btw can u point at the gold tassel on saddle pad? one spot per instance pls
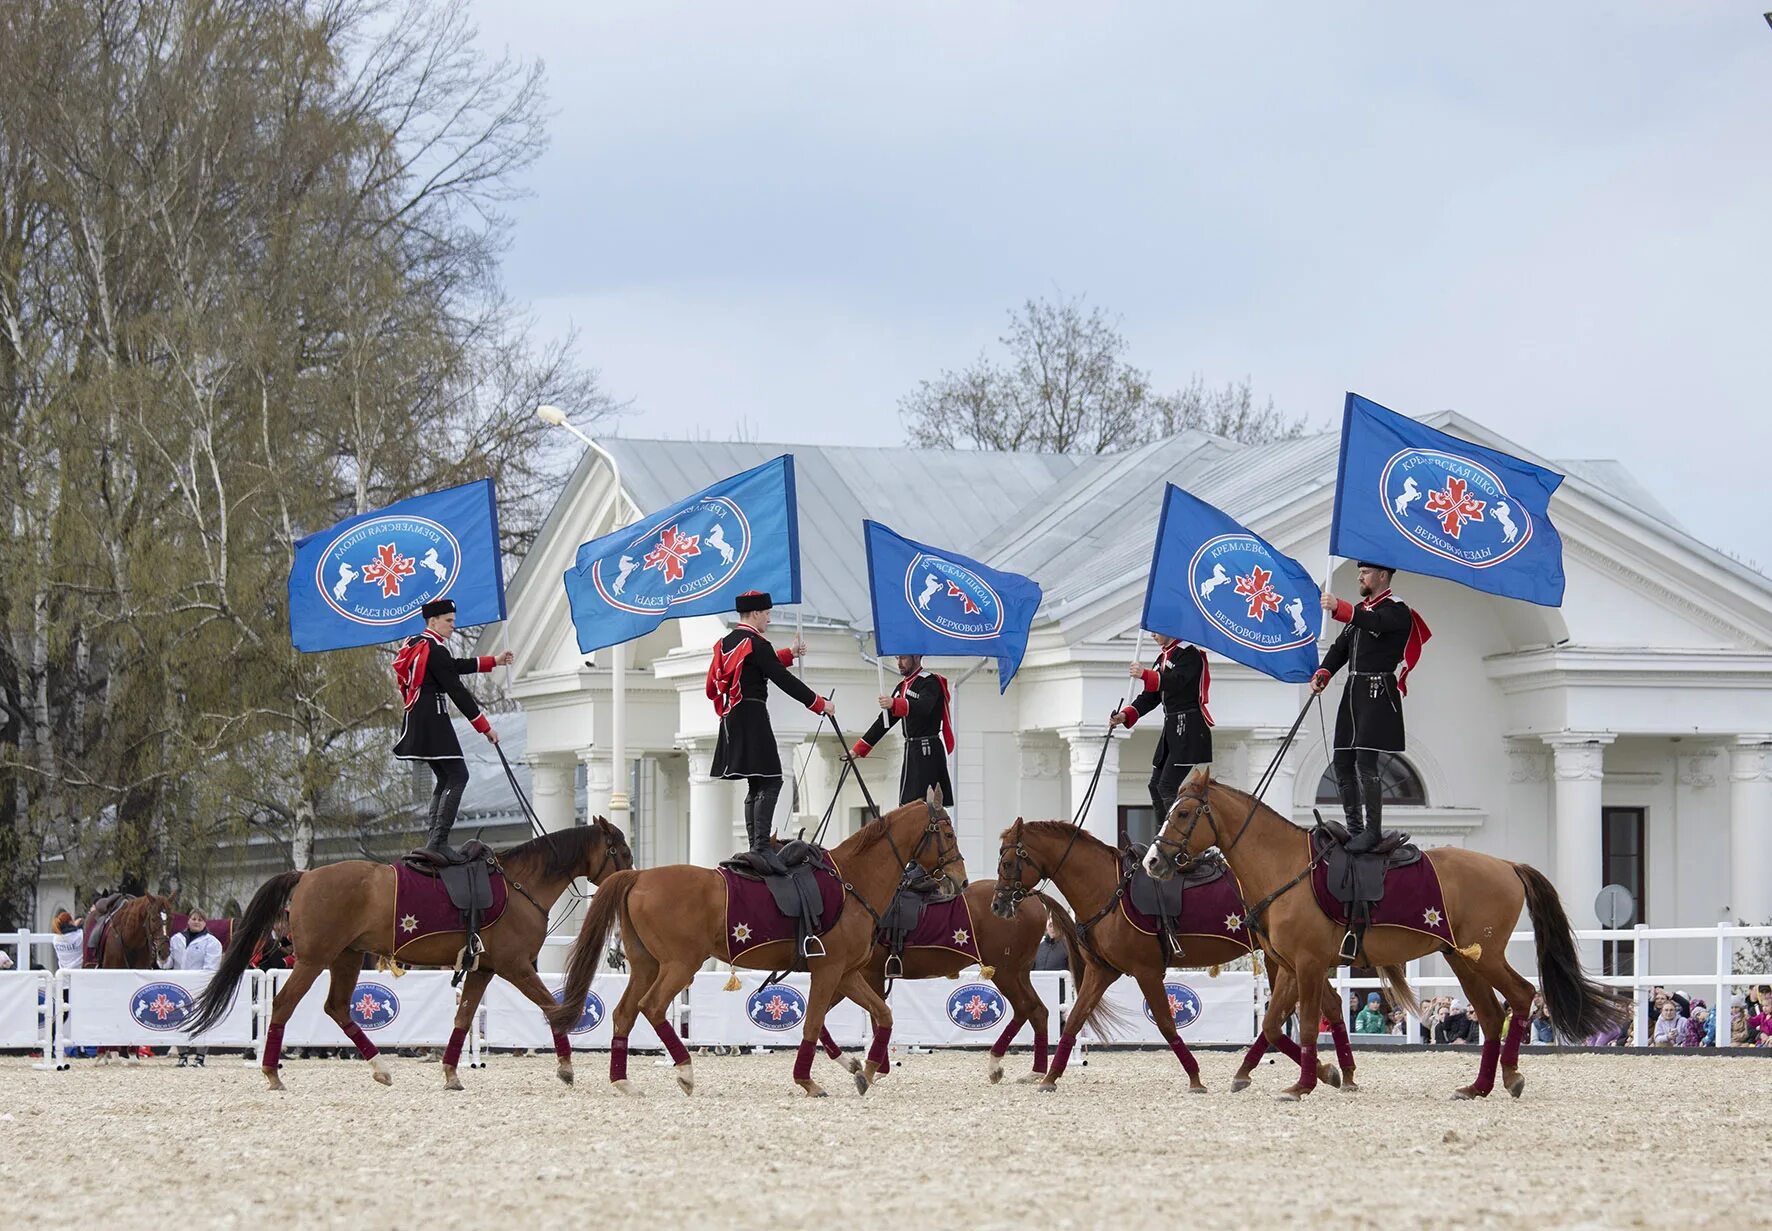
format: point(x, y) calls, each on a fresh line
point(1473, 952)
point(732, 983)
point(393, 966)
point(987, 972)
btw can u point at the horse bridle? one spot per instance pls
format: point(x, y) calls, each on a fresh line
point(945, 856)
point(1173, 850)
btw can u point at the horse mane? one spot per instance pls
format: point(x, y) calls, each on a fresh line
point(558, 853)
point(1261, 803)
point(874, 832)
point(1064, 830)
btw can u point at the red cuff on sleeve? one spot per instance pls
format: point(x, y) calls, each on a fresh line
point(1131, 717)
point(487, 662)
point(817, 706)
point(900, 707)
point(1344, 610)
point(482, 724)
point(1152, 681)
point(861, 749)
point(785, 657)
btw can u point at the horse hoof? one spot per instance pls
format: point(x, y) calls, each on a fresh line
point(1517, 1086)
point(1287, 1096)
point(1028, 1079)
point(625, 1089)
point(860, 1080)
point(454, 1083)
point(686, 1078)
point(852, 1064)
point(1469, 1092)
point(564, 1073)
point(383, 1078)
point(272, 1081)
point(1198, 1089)
point(813, 1091)
point(1046, 1087)
point(1329, 1076)
point(1239, 1084)
point(1350, 1087)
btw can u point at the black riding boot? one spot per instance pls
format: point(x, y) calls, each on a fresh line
point(447, 801)
point(759, 815)
point(1349, 788)
point(1372, 794)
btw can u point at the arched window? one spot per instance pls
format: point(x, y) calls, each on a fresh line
point(1402, 785)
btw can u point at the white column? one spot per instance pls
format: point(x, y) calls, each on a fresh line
point(1259, 749)
point(711, 805)
point(1579, 767)
point(599, 784)
point(1750, 829)
point(1037, 796)
point(1102, 819)
point(551, 786)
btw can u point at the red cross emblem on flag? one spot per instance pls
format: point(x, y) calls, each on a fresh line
point(976, 1008)
point(776, 1007)
point(367, 1005)
point(1455, 506)
point(161, 1007)
point(1262, 597)
point(388, 567)
point(673, 548)
point(956, 592)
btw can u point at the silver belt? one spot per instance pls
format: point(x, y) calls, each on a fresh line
point(925, 743)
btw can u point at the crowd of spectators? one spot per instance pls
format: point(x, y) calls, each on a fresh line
point(1675, 1020)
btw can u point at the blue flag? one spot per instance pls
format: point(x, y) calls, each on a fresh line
point(363, 581)
point(1215, 584)
point(930, 601)
point(1417, 499)
point(694, 558)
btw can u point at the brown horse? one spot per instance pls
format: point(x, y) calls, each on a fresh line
point(1484, 895)
point(342, 911)
point(1006, 949)
point(1088, 872)
point(138, 936)
point(674, 918)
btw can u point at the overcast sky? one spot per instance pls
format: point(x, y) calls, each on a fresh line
point(1553, 218)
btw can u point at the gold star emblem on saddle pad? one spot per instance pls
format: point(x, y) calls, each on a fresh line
point(961, 936)
point(1431, 917)
point(741, 932)
point(408, 924)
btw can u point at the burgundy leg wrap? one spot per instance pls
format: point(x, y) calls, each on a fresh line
point(1001, 1046)
point(1063, 1057)
point(618, 1058)
point(1510, 1047)
point(452, 1053)
point(1486, 1067)
point(803, 1060)
point(1189, 1065)
point(1307, 1066)
point(562, 1047)
point(1039, 1051)
point(1287, 1048)
point(365, 1048)
point(667, 1035)
point(829, 1044)
point(1344, 1050)
point(877, 1053)
point(1253, 1056)
point(273, 1046)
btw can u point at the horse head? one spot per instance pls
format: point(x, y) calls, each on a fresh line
point(925, 828)
point(1188, 831)
point(614, 856)
point(1017, 872)
point(156, 927)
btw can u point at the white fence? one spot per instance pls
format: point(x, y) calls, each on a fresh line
point(46, 1013)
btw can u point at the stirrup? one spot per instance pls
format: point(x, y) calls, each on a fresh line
point(812, 947)
point(1350, 947)
point(894, 966)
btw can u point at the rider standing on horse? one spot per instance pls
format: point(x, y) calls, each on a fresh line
point(1180, 680)
point(923, 700)
point(744, 664)
point(426, 673)
point(1381, 632)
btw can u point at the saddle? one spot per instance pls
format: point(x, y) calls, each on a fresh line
point(98, 922)
point(467, 878)
point(901, 917)
point(790, 871)
point(1357, 881)
point(1161, 900)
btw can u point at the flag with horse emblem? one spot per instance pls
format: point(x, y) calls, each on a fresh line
point(694, 558)
point(1223, 588)
point(1413, 497)
point(363, 581)
point(928, 600)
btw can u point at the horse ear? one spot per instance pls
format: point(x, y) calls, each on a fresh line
point(932, 797)
point(1200, 775)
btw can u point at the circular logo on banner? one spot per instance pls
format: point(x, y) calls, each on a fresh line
point(1184, 1005)
point(1453, 507)
point(374, 1005)
point(975, 1006)
point(1232, 581)
point(591, 1018)
point(776, 1007)
point(162, 1006)
point(383, 570)
point(677, 560)
point(952, 599)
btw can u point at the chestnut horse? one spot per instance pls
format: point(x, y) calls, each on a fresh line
point(1006, 949)
point(674, 918)
point(1483, 895)
point(138, 936)
point(1088, 872)
point(342, 911)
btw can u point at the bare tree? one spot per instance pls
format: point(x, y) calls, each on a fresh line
point(1064, 385)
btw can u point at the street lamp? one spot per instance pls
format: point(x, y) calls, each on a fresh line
point(553, 416)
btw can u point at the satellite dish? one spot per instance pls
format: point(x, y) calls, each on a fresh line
point(1614, 907)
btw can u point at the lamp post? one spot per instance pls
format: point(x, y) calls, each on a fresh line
point(553, 416)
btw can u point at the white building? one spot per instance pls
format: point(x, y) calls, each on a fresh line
point(1625, 737)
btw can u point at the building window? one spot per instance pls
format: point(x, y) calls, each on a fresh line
point(1622, 862)
point(1138, 824)
point(1402, 785)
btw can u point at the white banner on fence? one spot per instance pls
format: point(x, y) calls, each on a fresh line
point(20, 992)
point(513, 1020)
point(1207, 1010)
point(964, 1012)
point(111, 1007)
point(764, 1016)
point(414, 1010)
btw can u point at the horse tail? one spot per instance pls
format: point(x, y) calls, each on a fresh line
point(1578, 1007)
point(267, 906)
point(1398, 991)
point(1067, 932)
point(587, 951)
